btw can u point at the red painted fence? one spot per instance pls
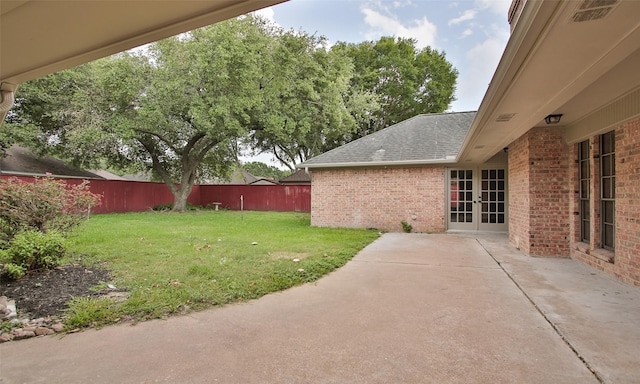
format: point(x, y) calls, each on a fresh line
point(137, 196)
point(282, 198)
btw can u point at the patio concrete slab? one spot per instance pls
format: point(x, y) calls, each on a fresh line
point(596, 314)
point(409, 308)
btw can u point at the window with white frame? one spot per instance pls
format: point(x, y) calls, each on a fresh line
point(584, 170)
point(607, 189)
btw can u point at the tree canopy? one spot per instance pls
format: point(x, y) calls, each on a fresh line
point(408, 81)
point(258, 168)
point(183, 108)
point(178, 110)
point(308, 107)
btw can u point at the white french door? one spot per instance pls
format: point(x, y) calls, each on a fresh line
point(477, 199)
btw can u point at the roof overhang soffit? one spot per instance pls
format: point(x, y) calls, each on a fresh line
point(548, 66)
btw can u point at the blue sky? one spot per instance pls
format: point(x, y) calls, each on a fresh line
point(472, 33)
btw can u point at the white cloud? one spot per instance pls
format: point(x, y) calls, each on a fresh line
point(482, 61)
point(266, 13)
point(467, 15)
point(500, 7)
point(401, 4)
point(467, 32)
point(422, 30)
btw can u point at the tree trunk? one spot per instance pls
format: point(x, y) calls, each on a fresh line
point(187, 181)
point(180, 197)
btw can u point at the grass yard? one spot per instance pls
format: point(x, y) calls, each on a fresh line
point(174, 263)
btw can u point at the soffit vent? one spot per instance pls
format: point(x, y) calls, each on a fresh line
point(503, 118)
point(590, 10)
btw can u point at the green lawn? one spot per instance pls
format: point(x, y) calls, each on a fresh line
point(173, 263)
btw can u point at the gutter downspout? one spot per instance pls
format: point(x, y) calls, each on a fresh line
point(7, 101)
point(7, 93)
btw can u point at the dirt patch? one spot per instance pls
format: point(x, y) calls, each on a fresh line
point(288, 255)
point(46, 293)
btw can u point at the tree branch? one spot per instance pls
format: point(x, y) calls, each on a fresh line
point(191, 143)
point(157, 165)
point(159, 137)
point(280, 159)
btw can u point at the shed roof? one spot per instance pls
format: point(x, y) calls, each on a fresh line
point(423, 139)
point(299, 176)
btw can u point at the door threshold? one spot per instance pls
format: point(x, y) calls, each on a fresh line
point(476, 231)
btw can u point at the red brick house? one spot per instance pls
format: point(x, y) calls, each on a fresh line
point(397, 174)
point(563, 107)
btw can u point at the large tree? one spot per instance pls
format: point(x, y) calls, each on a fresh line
point(408, 81)
point(308, 107)
point(258, 168)
point(178, 110)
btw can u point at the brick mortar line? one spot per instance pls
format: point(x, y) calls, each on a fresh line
point(553, 326)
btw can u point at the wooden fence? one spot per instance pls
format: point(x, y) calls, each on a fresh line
point(138, 196)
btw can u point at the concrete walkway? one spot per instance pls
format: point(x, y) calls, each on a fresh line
point(408, 309)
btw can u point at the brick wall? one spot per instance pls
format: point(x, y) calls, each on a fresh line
point(627, 253)
point(518, 168)
point(624, 262)
point(379, 198)
point(539, 186)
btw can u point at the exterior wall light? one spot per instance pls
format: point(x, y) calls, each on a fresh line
point(553, 119)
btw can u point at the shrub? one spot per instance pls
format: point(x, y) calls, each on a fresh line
point(44, 205)
point(163, 207)
point(31, 250)
point(169, 207)
point(406, 226)
point(14, 271)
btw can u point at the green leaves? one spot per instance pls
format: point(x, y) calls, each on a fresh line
point(180, 108)
point(31, 249)
point(304, 91)
point(408, 81)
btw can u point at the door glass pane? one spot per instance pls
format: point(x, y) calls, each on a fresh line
point(461, 188)
point(492, 192)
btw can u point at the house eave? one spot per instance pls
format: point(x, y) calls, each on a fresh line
point(556, 64)
point(363, 164)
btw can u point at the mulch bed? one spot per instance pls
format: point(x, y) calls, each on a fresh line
point(46, 293)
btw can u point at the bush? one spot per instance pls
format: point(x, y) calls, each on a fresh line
point(169, 207)
point(14, 271)
point(406, 226)
point(32, 250)
point(44, 205)
point(163, 207)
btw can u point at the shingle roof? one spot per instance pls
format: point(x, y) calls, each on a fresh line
point(299, 176)
point(423, 139)
point(19, 160)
